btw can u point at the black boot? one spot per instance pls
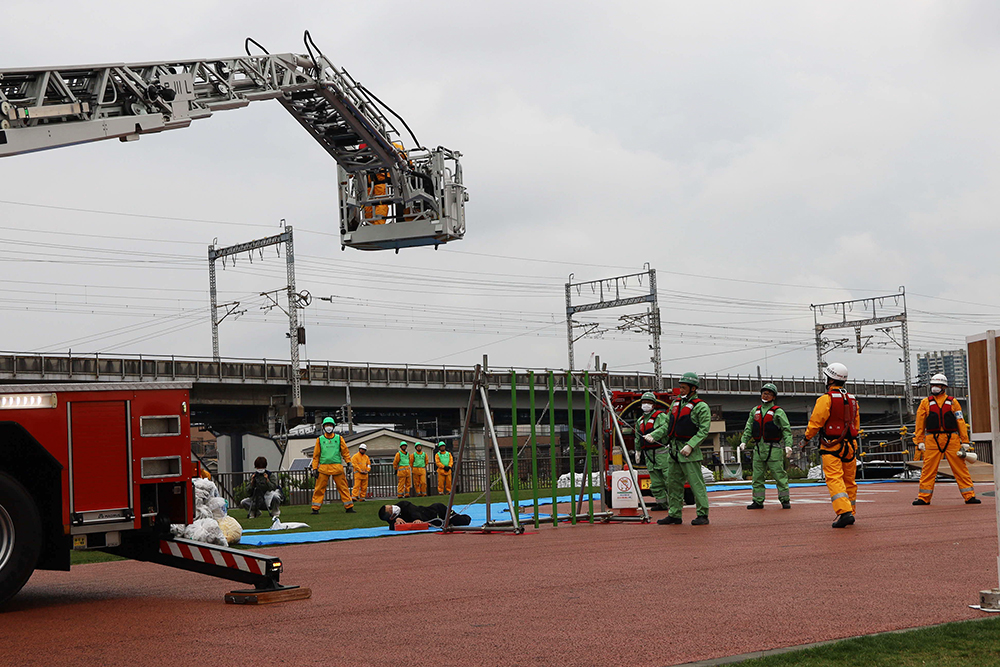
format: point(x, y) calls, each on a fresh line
point(786, 505)
point(973, 501)
point(755, 506)
point(844, 520)
point(700, 521)
point(667, 520)
point(315, 512)
point(350, 510)
point(920, 501)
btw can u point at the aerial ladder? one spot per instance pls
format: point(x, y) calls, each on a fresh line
point(390, 197)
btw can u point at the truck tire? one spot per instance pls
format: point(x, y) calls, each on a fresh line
point(20, 536)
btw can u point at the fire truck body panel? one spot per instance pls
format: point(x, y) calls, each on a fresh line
point(98, 459)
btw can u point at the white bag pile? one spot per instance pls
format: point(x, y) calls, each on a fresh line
point(209, 513)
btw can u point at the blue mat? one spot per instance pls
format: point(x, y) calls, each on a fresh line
point(498, 511)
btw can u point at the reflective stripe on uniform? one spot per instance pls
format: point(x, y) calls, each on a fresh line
point(927, 491)
point(966, 489)
point(839, 495)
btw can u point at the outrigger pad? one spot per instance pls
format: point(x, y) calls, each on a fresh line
point(268, 596)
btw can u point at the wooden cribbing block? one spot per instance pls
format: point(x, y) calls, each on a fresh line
point(286, 594)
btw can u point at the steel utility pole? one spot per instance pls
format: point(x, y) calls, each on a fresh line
point(869, 309)
point(648, 322)
point(296, 301)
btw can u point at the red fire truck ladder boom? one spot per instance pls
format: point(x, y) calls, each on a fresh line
point(390, 197)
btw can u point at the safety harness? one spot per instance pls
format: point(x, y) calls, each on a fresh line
point(839, 432)
point(682, 427)
point(941, 420)
point(764, 429)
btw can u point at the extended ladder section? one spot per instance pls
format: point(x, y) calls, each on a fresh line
point(390, 197)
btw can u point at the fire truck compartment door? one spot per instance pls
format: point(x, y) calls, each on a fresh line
point(102, 465)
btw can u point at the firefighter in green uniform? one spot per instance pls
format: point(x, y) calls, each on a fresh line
point(650, 434)
point(770, 436)
point(687, 427)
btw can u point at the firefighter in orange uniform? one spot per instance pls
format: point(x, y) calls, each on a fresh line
point(362, 465)
point(837, 420)
point(401, 462)
point(418, 468)
point(329, 457)
point(444, 462)
point(940, 433)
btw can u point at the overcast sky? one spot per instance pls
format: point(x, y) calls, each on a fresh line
point(761, 156)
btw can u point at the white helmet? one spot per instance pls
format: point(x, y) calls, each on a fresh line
point(836, 371)
point(362, 446)
point(940, 379)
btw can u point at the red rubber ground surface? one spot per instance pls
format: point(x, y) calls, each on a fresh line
point(587, 595)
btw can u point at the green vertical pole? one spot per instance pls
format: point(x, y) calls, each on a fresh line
point(590, 455)
point(534, 443)
point(515, 482)
point(552, 445)
point(572, 448)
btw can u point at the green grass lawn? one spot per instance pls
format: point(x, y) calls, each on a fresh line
point(952, 645)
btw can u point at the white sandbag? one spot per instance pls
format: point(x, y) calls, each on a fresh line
point(206, 531)
point(707, 474)
point(207, 486)
point(216, 507)
point(231, 529)
point(564, 483)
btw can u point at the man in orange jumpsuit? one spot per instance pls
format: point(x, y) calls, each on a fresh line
point(941, 432)
point(418, 466)
point(329, 457)
point(361, 465)
point(837, 420)
point(402, 463)
point(444, 462)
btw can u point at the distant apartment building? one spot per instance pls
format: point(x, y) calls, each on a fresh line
point(950, 362)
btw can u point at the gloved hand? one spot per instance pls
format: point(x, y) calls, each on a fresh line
point(921, 446)
point(447, 468)
point(788, 451)
point(805, 441)
point(742, 447)
point(648, 437)
point(315, 473)
point(686, 450)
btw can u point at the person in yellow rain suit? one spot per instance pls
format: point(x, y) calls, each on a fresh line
point(418, 463)
point(362, 465)
point(329, 457)
point(837, 420)
point(444, 462)
point(401, 463)
point(941, 432)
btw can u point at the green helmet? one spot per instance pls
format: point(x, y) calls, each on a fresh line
point(402, 444)
point(771, 387)
point(329, 420)
point(690, 378)
point(441, 444)
point(648, 396)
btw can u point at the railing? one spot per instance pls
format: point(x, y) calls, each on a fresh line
point(20, 366)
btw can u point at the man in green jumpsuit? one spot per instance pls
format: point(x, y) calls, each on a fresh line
point(770, 436)
point(687, 427)
point(650, 434)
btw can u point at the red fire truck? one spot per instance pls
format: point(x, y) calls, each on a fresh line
point(103, 466)
point(627, 406)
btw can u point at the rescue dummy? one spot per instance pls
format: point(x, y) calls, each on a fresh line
point(329, 457)
point(407, 512)
point(770, 438)
point(837, 421)
point(687, 427)
point(263, 491)
point(401, 464)
point(444, 462)
point(418, 466)
point(361, 465)
point(650, 436)
point(941, 433)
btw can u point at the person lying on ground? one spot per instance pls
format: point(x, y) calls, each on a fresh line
point(434, 514)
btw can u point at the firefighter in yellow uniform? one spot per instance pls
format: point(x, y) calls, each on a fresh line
point(362, 465)
point(444, 462)
point(401, 463)
point(418, 466)
point(329, 457)
point(941, 432)
point(837, 420)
